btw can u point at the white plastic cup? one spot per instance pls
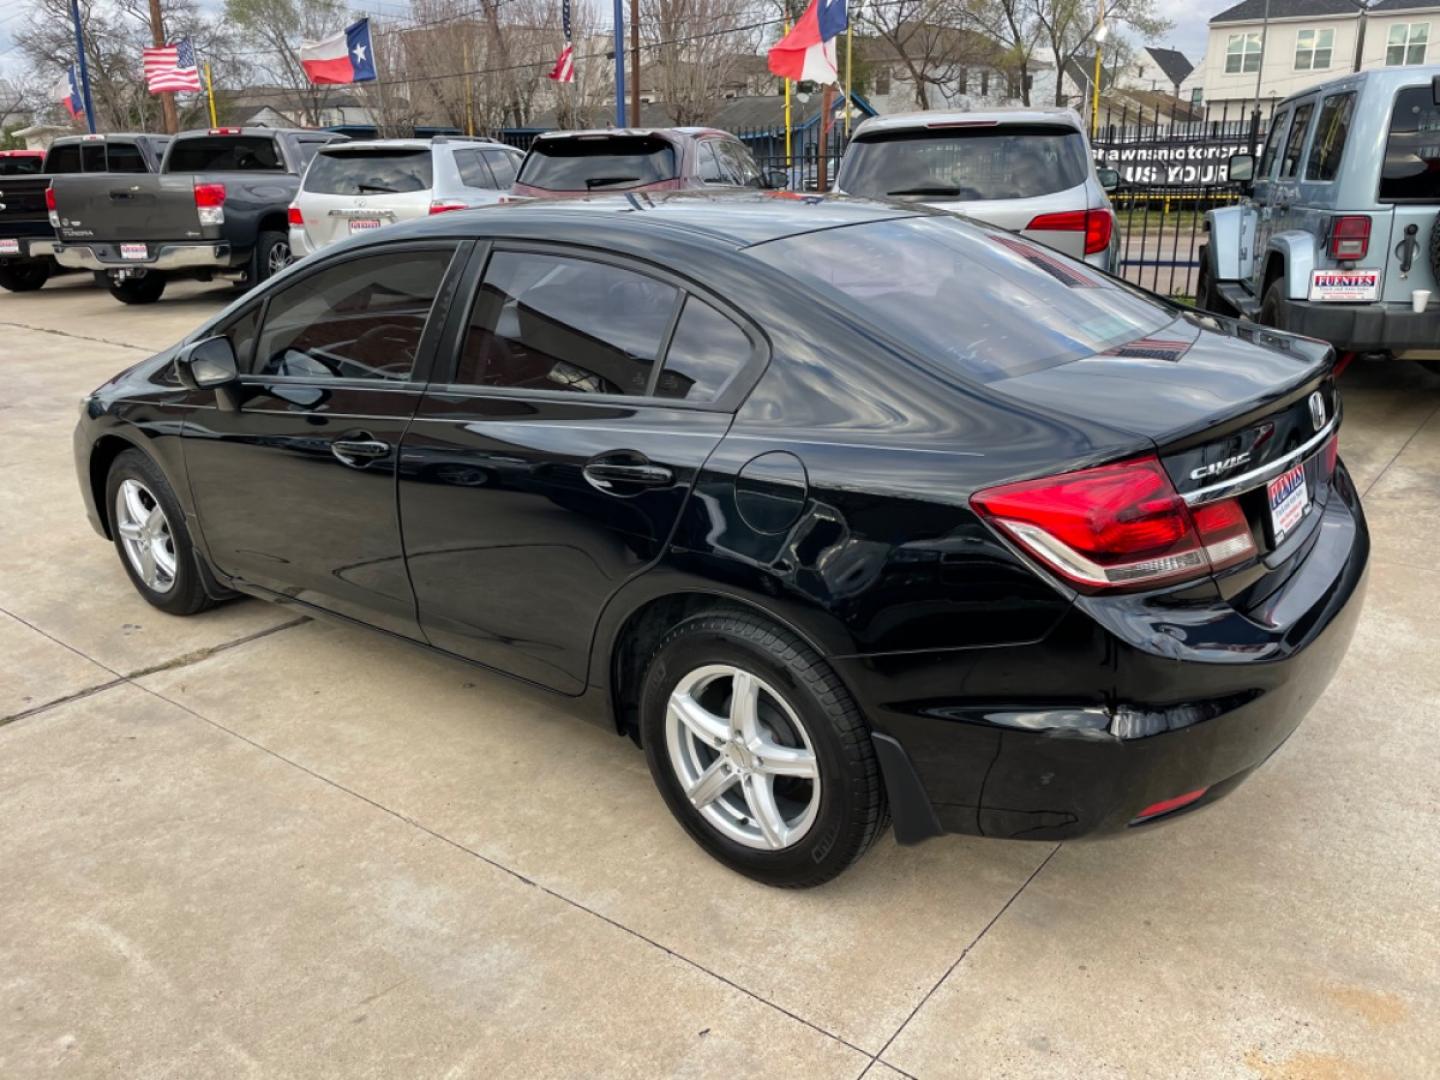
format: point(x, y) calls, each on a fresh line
point(1419, 298)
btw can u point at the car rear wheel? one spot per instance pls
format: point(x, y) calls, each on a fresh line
point(759, 750)
point(145, 289)
point(24, 277)
point(1270, 305)
point(272, 254)
point(148, 526)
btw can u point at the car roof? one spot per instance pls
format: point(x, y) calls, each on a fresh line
point(1385, 80)
point(594, 133)
point(378, 144)
point(720, 219)
point(976, 118)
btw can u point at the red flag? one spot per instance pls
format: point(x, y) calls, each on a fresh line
point(564, 69)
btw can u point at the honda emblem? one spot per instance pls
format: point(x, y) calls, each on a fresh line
point(1317, 410)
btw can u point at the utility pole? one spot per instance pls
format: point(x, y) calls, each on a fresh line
point(167, 99)
point(634, 63)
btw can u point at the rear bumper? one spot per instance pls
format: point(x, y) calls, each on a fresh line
point(30, 248)
point(161, 257)
point(1113, 711)
point(300, 245)
point(1362, 327)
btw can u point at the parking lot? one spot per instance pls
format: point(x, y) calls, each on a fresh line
point(247, 843)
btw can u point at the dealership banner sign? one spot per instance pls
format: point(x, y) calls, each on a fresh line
point(1176, 163)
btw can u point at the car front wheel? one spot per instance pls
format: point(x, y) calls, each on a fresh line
point(759, 750)
point(148, 527)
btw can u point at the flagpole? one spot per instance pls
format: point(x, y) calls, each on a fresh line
point(618, 18)
point(465, 63)
point(379, 82)
point(167, 97)
point(788, 162)
point(84, 67)
point(849, 69)
point(210, 93)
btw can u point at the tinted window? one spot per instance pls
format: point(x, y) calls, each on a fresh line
point(126, 158)
point(979, 300)
point(473, 170)
point(973, 163)
point(1291, 161)
point(360, 319)
point(543, 322)
point(63, 159)
point(92, 157)
point(705, 353)
point(1412, 152)
point(592, 162)
point(368, 172)
point(1330, 133)
point(710, 164)
point(504, 165)
point(1272, 144)
point(20, 166)
point(241, 333)
point(224, 153)
point(740, 164)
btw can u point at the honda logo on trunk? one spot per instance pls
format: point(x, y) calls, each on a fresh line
point(1317, 410)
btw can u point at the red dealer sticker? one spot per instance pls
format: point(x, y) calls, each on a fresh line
point(1289, 500)
point(1345, 286)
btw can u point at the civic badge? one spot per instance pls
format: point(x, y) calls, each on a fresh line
point(1317, 410)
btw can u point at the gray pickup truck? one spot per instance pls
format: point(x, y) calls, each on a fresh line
point(217, 207)
point(1338, 237)
point(27, 232)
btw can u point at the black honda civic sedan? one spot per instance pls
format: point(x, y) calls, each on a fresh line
point(846, 513)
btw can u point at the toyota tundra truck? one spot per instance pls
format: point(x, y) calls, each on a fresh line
point(27, 233)
point(1338, 236)
point(216, 208)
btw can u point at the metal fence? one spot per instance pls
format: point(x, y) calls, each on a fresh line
point(804, 165)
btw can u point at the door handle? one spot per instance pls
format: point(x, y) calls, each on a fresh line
point(605, 475)
point(358, 452)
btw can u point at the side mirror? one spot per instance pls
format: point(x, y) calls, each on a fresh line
point(1241, 168)
point(1109, 178)
point(777, 179)
point(207, 364)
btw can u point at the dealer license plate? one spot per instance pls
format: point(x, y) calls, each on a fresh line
point(1289, 501)
point(1345, 286)
point(364, 224)
point(133, 251)
point(9, 247)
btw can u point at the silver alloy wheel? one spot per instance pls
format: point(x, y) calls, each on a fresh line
point(145, 534)
point(742, 756)
point(278, 259)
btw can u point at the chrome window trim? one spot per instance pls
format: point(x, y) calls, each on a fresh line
point(1255, 477)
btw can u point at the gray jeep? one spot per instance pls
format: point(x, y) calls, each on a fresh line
point(1339, 228)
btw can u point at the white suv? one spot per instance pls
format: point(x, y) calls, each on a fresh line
point(354, 187)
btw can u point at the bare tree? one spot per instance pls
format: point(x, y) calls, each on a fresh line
point(1068, 27)
point(272, 31)
point(691, 54)
point(1012, 25)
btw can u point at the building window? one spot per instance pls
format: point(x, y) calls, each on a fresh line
point(1406, 44)
point(1197, 96)
point(1242, 53)
point(984, 84)
point(882, 81)
point(964, 82)
point(1313, 49)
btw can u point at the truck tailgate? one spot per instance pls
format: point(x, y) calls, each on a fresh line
point(22, 206)
point(113, 208)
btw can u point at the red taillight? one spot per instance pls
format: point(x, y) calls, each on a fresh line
point(225, 131)
point(49, 198)
point(1097, 225)
point(1349, 237)
point(209, 194)
point(439, 207)
point(293, 216)
point(1117, 526)
point(1164, 806)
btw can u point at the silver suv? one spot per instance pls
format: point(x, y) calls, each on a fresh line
point(1027, 170)
point(358, 186)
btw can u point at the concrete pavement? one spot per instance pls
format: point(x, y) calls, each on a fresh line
point(245, 844)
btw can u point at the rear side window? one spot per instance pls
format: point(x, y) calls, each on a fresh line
point(504, 165)
point(474, 172)
point(704, 355)
point(126, 158)
point(1330, 134)
point(1411, 170)
point(369, 172)
point(359, 319)
point(598, 162)
point(63, 159)
point(1291, 161)
point(545, 322)
point(979, 301)
point(1002, 162)
point(224, 153)
point(1272, 144)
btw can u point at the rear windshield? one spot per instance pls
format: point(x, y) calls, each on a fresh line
point(369, 172)
point(1412, 155)
point(224, 153)
point(20, 166)
point(1002, 162)
point(63, 159)
point(981, 301)
point(599, 162)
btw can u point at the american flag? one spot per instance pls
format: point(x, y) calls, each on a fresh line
point(171, 67)
point(564, 69)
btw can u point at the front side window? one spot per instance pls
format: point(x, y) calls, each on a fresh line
point(1313, 49)
point(1406, 44)
point(1291, 161)
point(1272, 144)
point(1242, 53)
point(1330, 134)
point(1411, 168)
point(548, 322)
point(359, 319)
point(735, 156)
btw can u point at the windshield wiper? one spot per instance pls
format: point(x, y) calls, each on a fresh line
point(379, 188)
point(931, 189)
point(601, 181)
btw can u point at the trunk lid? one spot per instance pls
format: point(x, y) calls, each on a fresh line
point(1017, 214)
point(348, 189)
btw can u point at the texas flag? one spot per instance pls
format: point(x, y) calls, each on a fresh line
point(68, 93)
point(807, 52)
point(345, 57)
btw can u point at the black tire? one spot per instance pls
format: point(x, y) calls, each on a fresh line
point(1270, 304)
point(1207, 296)
point(138, 290)
point(25, 276)
point(1432, 366)
point(264, 261)
point(185, 594)
point(852, 809)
